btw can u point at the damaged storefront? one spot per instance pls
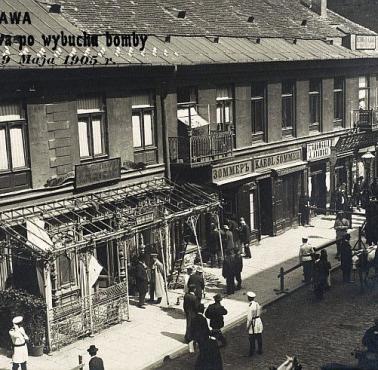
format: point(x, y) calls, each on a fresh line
point(76, 252)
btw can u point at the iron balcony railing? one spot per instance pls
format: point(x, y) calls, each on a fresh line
point(202, 149)
point(365, 119)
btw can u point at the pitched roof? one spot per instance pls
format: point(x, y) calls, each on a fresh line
point(271, 18)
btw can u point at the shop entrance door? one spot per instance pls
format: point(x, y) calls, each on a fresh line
point(318, 189)
point(265, 206)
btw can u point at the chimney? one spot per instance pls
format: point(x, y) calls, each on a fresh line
point(319, 7)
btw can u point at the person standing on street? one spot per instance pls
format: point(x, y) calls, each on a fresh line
point(346, 256)
point(189, 272)
point(254, 324)
point(19, 341)
point(370, 338)
point(200, 329)
point(341, 226)
point(357, 193)
point(244, 234)
point(215, 313)
point(142, 279)
point(209, 357)
point(238, 268)
point(214, 247)
point(198, 281)
point(191, 304)
point(227, 239)
point(95, 363)
point(157, 280)
point(306, 252)
point(321, 272)
point(228, 271)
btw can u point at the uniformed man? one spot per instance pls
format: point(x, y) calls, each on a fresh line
point(254, 324)
point(95, 363)
point(306, 252)
point(19, 340)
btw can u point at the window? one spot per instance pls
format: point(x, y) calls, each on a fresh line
point(315, 104)
point(224, 108)
point(363, 92)
point(143, 121)
point(66, 269)
point(91, 126)
point(258, 108)
point(13, 155)
point(338, 99)
point(186, 104)
point(288, 105)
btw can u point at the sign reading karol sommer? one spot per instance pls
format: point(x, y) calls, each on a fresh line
point(231, 170)
point(266, 162)
point(88, 174)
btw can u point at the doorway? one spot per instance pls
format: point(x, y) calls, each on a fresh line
point(265, 206)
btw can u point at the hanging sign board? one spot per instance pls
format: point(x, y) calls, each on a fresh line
point(145, 218)
point(319, 150)
point(365, 42)
point(98, 172)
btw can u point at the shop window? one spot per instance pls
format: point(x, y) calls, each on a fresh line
point(66, 270)
point(144, 128)
point(338, 98)
point(91, 127)
point(288, 108)
point(258, 110)
point(315, 104)
point(225, 103)
point(363, 92)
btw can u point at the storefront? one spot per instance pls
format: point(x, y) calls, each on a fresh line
point(318, 184)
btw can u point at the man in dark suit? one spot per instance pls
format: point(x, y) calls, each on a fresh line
point(238, 268)
point(191, 304)
point(215, 313)
point(95, 363)
point(200, 329)
point(228, 271)
point(142, 278)
point(198, 281)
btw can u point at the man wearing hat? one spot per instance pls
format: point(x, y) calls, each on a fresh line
point(198, 281)
point(254, 324)
point(215, 313)
point(19, 340)
point(95, 363)
point(306, 253)
point(191, 304)
point(245, 234)
point(227, 238)
point(189, 272)
point(200, 329)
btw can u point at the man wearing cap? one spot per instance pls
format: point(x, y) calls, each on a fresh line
point(306, 252)
point(227, 239)
point(95, 363)
point(142, 279)
point(19, 340)
point(157, 280)
point(191, 304)
point(244, 234)
point(198, 281)
point(215, 313)
point(200, 329)
point(254, 324)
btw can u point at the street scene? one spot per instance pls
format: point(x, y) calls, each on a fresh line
point(188, 185)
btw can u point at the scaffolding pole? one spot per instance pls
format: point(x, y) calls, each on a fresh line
point(220, 236)
point(164, 266)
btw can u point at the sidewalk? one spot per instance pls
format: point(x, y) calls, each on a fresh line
point(158, 331)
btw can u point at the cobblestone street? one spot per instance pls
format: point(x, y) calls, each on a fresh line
point(316, 332)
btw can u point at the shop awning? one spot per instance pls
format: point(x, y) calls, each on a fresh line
point(190, 118)
point(288, 168)
point(73, 223)
point(353, 141)
point(235, 179)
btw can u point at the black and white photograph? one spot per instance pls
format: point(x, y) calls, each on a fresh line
point(188, 184)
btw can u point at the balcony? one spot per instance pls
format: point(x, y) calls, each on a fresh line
point(365, 119)
point(200, 150)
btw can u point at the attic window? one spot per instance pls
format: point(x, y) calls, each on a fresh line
point(214, 39)
point(250, 19)
point(55, 8)
point(167, 38)
point(304, 22)
point(181, 14)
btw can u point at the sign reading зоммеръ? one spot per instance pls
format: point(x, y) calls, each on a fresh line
point(231, 170)
point(264, 163)
point(88, 174)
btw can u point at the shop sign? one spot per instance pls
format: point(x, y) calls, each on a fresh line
point(365, 42)
point(231, 170)
point(145, 218)
point(93, 173)
point(319, 149)
point(268, 161)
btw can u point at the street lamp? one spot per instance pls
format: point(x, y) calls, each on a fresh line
point(368, 159)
